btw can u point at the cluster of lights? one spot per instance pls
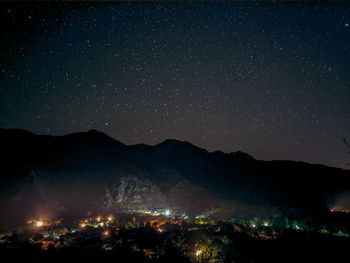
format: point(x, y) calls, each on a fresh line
point(104, 222)
point(109, 219)
point(264, 224)
point(98, 222)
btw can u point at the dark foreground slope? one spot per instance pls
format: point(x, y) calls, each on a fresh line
point(220, 242)
point(89, 171)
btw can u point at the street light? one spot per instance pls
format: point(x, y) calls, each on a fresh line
point(198, 252)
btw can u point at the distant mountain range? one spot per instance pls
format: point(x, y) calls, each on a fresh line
point(47, 176)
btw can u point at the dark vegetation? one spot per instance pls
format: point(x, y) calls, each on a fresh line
point(167, 240)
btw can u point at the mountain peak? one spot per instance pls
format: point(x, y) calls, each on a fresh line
point(97, 133)
point(173, 145)
point(175, 142)
point(92, 131)
point(242, 155)
point(94, 136)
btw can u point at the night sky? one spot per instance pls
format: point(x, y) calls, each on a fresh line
point(269, 79)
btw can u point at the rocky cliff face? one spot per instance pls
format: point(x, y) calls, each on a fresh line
point(135, 193)
point(131, 193)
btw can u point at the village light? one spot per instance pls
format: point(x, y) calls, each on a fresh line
point(98, 219)
point(106, 233)
point(39, 223)
point(167, 212)
point(83, 225)
point(110, 218)
point(198, 252)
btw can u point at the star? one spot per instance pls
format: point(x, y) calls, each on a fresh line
point(220, 82)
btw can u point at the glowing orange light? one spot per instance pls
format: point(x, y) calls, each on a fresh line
point(98, 219)
point(160, 230)
point(106, 233)
point(83, 225)
point(110, 218)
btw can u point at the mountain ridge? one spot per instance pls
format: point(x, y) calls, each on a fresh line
point(92, 171)
point(167, 142)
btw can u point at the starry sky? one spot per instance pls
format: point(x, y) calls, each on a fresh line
point(269, 79)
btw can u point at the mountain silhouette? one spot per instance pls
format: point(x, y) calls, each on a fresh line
point(45, 175)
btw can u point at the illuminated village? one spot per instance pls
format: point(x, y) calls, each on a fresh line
point(175, 131)
point(159, 236)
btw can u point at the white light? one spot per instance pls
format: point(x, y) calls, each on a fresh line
point(167, 212)
point(39, 223)
point(253, 226)
point(198, 252)
point(101, 224)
